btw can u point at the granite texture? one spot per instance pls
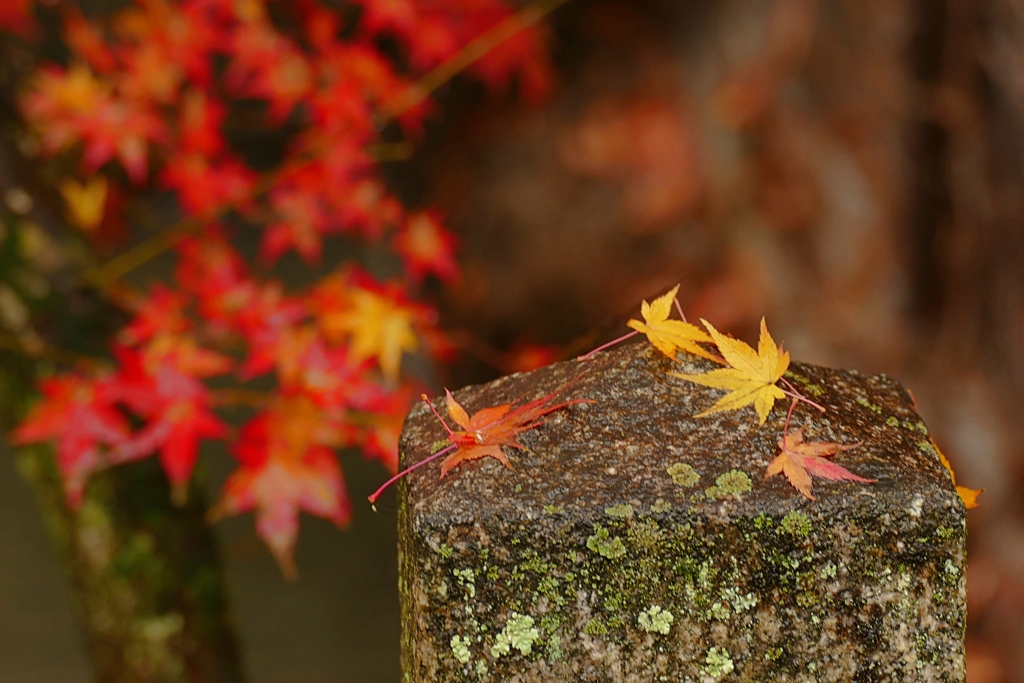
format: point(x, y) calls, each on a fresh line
point(636, 542)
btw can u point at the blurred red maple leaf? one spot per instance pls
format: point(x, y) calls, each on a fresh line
point(161, 385)
point(284, 470)
point(80, 414)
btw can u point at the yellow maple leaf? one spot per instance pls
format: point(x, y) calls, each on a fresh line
point(968, 496)
point(751, 376)
point(379, 327)
point(85, 202)
point(668, 335)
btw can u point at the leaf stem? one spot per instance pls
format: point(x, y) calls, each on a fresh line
point(376, 494)
point(789, 414)
point(797, 395)
point(440, 419)
point(680, 309)
point(602, 347)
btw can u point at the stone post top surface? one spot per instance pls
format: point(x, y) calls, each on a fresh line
point(640, 442)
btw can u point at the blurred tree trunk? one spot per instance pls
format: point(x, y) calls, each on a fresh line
point(146, 578)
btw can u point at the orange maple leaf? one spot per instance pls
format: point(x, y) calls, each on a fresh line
point(668, 335)
point(968, 496)
point(491, 428)
point(485, 432)
point(751, 376)
point(799, 460)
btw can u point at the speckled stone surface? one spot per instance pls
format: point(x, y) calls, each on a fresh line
point(636, 542)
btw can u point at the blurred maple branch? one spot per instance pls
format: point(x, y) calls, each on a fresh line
point(107, 274)
point(37, 349)
point(473, 51)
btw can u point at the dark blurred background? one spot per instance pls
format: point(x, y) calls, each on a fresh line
point(851, 169)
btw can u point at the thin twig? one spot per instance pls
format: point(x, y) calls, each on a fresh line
point(41, 351)
point(472, 52)
point(233, 396)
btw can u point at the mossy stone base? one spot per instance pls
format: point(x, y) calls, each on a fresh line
point(635, 542)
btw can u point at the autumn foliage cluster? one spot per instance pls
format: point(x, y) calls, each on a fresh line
point(141, 105)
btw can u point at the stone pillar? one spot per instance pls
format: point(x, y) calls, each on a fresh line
point(636, 542)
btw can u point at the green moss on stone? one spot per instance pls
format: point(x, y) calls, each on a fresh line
point(645, 536)
point(683, 475)
point(795, 523)
point(732, 483)
point(739, 601)
point(869, 405)
point(595, 627)
point(602, 543)
point(808, 386)
point(623, 511)
point(661, 506)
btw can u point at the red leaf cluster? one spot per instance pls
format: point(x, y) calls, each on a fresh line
point(145, 101)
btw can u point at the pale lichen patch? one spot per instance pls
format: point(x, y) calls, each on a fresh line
point(460, 648)
point(519, 633)
point(718, 663)
point(683, 474)
point(655, 619)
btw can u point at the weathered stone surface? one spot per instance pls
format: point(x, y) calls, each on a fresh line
point(636, 542)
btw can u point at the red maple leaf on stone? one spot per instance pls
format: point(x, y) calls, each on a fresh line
point(799, 460)
point(491, 428)
point(80, 414)
point(283, 470)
